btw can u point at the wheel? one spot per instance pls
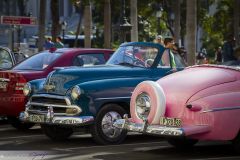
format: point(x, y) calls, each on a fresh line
point(148, 101)
point(236, 143)
point(182, 143)
point(56, 133)
point(16, 123)
point(103, 131)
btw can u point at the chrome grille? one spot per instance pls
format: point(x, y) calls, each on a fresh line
point(49, 100)
point(39, 104)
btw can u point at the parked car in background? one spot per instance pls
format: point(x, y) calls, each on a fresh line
point(93, 98)
point(12, 99)
point(198, 103)
point(7, 58)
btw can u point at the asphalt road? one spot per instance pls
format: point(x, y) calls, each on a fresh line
point(33, 145)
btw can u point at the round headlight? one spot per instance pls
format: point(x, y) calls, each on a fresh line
point(143, 105)
point(76, 92)
point(27, 89)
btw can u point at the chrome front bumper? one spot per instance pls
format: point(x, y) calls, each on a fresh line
point(148, 129)
point(56, 120)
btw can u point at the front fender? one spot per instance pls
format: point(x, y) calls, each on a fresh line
point(99, 92)
point(37, 85)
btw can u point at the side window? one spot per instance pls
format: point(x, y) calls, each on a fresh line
point(165, 60)
point(89, 59)
point(5, 59)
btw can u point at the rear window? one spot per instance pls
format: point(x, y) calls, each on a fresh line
point(38, 62)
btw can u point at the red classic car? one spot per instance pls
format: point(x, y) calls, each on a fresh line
point(198, 103)
point(12, 100)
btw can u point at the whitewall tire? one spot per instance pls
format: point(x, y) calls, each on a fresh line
point(157, 101)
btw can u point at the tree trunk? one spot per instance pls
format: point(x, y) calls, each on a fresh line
point(176, 23)
point(191, 26)
point(87, 26)
point(41, 29)
point(107, 24)
point(80, 8)
point(134, 21)
point(236, 21)
point(55, 19)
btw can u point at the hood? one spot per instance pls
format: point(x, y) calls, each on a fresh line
point(63, 79)
point(181, 86)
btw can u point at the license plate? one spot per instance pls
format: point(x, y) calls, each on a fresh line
point(3, 85)
point(173, 122)
point(36, 118)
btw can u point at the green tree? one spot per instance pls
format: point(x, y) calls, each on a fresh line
point(217, 26)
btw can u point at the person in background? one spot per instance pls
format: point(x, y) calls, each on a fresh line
point(168, 55)
point(59, 43)
point(228, 47)
point(236, 62)
point(159, 39)
point(202, 57)
point(48, 43)
point(218, 55)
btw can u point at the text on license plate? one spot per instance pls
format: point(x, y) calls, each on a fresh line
point(173, 122)
point(3, 85)
point(36, 118)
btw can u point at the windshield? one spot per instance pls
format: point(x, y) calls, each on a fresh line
point(139, 56)
point(38, 62)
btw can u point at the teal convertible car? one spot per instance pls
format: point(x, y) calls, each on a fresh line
point(93, 98)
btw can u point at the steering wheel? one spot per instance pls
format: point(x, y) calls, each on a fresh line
point(149, 62)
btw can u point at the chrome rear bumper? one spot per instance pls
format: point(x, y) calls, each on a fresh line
point(146, 128)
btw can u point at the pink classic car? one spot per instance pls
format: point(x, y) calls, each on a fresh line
point(198, 103)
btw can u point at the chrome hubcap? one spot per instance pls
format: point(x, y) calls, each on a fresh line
point(143, 105)
point(107, 124)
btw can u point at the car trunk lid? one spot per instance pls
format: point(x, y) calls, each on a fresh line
point(11, 82)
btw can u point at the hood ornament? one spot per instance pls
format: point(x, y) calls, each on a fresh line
point(49, 87)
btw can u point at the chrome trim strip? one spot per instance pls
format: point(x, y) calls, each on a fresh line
point(217, 66)
point(220, 109)
point(98, 99)
point(49, 96)
point(45, 112)
point(47, 104)
point(4, 80)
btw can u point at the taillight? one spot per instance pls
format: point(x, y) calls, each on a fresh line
point(19, 83)
point(19, 86)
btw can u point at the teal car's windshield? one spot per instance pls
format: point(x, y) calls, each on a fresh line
point(139, 56)
point(38, 62)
